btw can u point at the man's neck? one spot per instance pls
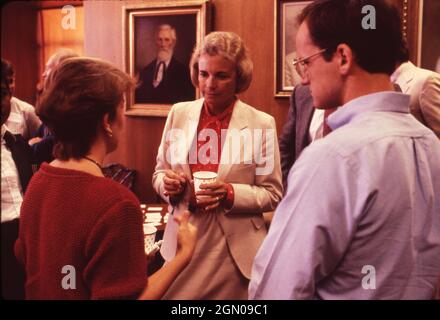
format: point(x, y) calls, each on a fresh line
point(365, 83)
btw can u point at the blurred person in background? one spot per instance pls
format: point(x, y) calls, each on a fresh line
point(22, 119)
point(423, 86)
point(16, 171)
point(42, 144)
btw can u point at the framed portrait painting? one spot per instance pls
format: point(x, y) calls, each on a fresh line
point(159, 39)
point(286, 27)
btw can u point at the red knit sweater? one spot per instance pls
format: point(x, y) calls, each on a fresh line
point(71, 218)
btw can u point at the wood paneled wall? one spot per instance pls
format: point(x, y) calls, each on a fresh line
point(254, 23)
point(21, 40)
point(54, 36)
point(19, 46)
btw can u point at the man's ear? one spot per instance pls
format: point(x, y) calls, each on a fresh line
point(106, 125)
point(345, 58)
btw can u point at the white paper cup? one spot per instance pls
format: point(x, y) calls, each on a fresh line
point(201, 177)
point(149, 237)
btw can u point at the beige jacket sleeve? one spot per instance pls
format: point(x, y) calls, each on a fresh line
point(161, 161)
point(430, 103)
point(266, 191)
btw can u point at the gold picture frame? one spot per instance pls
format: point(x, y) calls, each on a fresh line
point(420, 28)
point(286, 27)
point(190, 21)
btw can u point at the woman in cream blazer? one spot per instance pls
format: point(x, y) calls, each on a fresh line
point(249, 174)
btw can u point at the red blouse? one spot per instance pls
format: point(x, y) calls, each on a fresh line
point(209, 157)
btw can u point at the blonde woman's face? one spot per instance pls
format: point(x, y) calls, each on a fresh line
point(217, 80)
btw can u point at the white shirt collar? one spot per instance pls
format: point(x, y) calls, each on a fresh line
point(389, 101)
point(402, 70)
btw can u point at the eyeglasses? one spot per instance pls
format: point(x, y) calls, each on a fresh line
point(301, 64)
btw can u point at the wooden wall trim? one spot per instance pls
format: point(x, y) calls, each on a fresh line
point(55, 4)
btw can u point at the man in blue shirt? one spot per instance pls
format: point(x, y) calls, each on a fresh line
point(361, 216)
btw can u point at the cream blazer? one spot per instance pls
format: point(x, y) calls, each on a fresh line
point(257, 184)
point(423, 86)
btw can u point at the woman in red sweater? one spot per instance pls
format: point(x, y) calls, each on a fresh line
point(80, 233)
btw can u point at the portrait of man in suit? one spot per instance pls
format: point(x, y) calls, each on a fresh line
point(165, 79)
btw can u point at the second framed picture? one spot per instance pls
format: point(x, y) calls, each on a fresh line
point(286, 13)
point(159, 40)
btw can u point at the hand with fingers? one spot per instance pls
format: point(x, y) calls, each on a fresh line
point(174, 184)
point(211, 195)
point(161, 280)
point(186, 235)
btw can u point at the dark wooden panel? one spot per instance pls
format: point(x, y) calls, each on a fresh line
point(19, 45)
point(409, 11)
point(137, 150)
point(56, 4)
point(142, 154)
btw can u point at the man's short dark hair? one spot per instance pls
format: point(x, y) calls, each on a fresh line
point(6, 88)
point(7, 71)
point(333, 22)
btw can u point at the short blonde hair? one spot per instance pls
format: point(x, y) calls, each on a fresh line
point(230, 46)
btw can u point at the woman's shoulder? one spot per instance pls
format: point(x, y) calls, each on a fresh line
point(183, 112)
point(92, 188)
point(110, 200)
point(185, 106)
point(254, 114)
point(115, 192)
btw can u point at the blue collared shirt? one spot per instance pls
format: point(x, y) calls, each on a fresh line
point(361, 216)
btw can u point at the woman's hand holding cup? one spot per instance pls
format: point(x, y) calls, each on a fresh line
point(211, 195)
